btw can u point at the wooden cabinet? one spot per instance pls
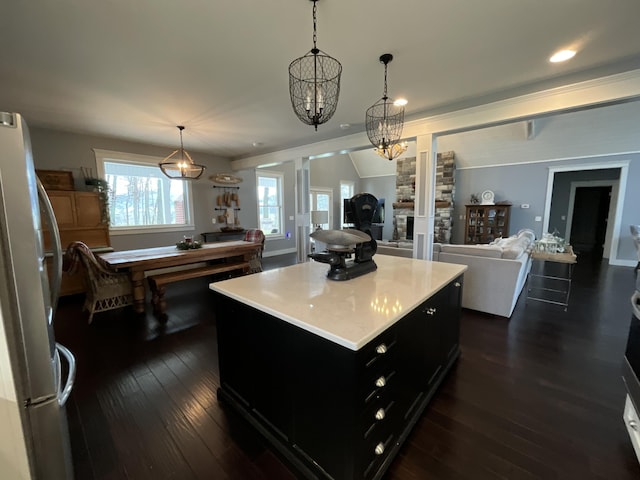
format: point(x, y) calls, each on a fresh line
point(79, 216)
point(485, 223)
point(335, 412)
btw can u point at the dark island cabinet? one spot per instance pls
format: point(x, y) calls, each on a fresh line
point(336, 413)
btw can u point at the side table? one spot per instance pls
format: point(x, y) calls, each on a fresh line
point(555, 288)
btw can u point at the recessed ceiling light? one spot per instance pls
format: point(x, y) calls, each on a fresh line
point(401, 102)
point(257, 144)
point(562, 56)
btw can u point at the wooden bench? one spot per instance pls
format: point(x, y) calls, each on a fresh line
point(157, 282)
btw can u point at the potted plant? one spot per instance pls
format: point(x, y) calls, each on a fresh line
point(101, 186)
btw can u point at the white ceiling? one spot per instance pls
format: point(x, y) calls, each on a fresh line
point(135, 69)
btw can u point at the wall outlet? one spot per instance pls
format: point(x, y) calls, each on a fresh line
point(291, 218)
point(563, 217)
point(538, 218)
point(524, 205)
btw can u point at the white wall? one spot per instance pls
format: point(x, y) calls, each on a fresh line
point(598, 131)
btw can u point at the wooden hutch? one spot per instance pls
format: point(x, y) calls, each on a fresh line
point(80, 216)
point(485, 223)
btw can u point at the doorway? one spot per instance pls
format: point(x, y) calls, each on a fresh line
point(618, 191)
point(321, 199)
point(587, 221)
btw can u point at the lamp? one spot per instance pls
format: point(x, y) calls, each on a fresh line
point(319, 217)
point(394, 151)
point(384, 121)
point(182, 168)
point(314, 84)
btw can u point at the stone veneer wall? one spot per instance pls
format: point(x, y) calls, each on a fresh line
point(405, 196)
point(445, 192)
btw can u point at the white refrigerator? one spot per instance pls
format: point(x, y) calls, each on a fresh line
point(34, 436)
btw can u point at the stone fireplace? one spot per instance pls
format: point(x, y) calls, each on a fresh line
point(403, 207)
point(405, 197)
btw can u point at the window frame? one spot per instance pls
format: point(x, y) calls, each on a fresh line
point(352, 187)
point(103, 156)
point(313, 192)
point(279, 176)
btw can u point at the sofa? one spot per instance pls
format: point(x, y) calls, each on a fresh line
point(398, 248)
point(496, 272)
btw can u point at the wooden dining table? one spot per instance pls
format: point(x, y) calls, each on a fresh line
point(142, 261)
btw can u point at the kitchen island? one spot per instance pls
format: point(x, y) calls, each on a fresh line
point(336, 373)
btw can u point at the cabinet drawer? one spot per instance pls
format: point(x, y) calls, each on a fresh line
point(376, 449)
point(385, 410)
point(379, 350)
point(633, 425)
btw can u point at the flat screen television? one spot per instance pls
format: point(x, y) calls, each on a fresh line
point(348, 214)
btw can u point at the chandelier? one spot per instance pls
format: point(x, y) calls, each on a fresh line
point(314, 83)
point(393, 151)
point(384, 121)
point(182, 167)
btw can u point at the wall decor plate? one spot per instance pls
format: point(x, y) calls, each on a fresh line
point(225, 179)
point(487, 197)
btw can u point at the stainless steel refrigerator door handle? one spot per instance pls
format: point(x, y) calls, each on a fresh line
point(50, 218)
point(635, 298)
point(71, 377)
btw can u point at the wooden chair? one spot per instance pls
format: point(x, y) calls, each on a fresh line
point(106, 289)
point(255, 235)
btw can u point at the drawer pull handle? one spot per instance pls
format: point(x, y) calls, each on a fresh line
point(431, 311)
point(633, 424)
point(381, 382)
point(382, 348)
point(457, 284)
point(379, 449)
point(380, 414)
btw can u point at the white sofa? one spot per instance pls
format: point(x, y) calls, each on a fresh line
point(398, 248)
point(497, 272)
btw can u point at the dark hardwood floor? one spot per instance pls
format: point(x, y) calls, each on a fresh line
point(538, 396)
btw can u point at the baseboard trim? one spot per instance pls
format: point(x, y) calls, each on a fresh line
point(622, 263)
point(275, 253)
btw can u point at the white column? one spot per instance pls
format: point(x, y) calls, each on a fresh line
point(303, 215)
point(424, 208)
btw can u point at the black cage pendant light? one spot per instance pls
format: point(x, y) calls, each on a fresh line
point(384, 121)
point(314, 83)
point(182, 166)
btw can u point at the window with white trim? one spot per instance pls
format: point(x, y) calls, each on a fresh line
point(346, 191)
point(141, 198)
point(270, 203)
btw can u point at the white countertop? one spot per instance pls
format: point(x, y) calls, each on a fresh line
point(351, 312)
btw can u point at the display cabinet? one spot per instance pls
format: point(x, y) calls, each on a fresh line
point(485, 223)
point(80, 217)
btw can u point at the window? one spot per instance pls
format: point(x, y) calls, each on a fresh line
point(322, 200)
point(346, 191)
point(141, 198)
point(270, 208)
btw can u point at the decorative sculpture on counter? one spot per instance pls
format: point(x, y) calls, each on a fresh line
point(341, 244)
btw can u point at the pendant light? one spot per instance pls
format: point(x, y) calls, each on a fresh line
point(384, 121)
point(182, 167)
point(394, 151)
point(314, 83)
